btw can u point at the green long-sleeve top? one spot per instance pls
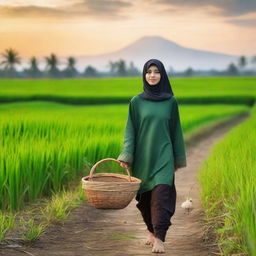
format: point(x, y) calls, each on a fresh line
point(153, 142)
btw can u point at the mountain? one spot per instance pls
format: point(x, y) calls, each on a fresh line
point(170, 53)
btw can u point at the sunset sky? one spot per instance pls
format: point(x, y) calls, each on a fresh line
point(89, 27)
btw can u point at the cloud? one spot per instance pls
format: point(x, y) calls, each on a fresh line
point(31, 10)
point(110, 9)
point(226, 7)
point(105, 6)
point(243, 22)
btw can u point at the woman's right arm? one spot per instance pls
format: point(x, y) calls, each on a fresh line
point(127, 153)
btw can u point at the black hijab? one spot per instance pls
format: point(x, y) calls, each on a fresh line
point(160, 91)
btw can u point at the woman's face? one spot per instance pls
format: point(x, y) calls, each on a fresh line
point(153, 75)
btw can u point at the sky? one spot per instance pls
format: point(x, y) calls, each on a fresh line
point(91, 27)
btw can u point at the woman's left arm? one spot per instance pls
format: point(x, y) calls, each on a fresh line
point(178, 143)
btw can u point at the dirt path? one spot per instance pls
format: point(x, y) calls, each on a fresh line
point(93, 232)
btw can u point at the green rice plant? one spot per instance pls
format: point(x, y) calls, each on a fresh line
point(46, 146)
point(6, 223)
point(31, 230)
point(228, 193)
point(200, 90)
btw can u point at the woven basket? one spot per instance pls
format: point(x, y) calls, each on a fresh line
point(110, 190)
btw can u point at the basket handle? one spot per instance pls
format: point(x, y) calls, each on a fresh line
point(108, 159)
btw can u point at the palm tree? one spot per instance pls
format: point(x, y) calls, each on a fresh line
point(242, 62)
point(33, 70)
point(11, 58)
point(121, 67)
point(51, 64)
point(132, 70)
point(71, 63)
point(113, 67)
point(70, 70)
point(118, 68)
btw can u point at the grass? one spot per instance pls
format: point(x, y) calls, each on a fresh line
point(31, 230)
point(228, 193)
point(121, 236)
point(60, 205)
point(30, 223)
point(6, 223)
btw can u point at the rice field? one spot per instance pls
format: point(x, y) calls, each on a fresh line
point(44, 146)
point(200, 90)
point(228, 181)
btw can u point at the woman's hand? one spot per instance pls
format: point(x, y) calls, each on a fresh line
point(124, 164)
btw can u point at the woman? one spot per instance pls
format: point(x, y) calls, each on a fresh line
point(154, 149)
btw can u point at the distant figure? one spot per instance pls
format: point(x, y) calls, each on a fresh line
point(154, 149)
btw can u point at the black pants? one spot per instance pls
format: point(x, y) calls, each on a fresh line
point(157, 206)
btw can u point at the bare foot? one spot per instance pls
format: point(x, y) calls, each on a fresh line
point(150, 240)
point(158, 246)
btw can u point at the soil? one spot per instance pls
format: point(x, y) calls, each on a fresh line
point(94, 232)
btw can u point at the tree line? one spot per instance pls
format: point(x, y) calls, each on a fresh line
point(11, 59)
point(233, 69)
